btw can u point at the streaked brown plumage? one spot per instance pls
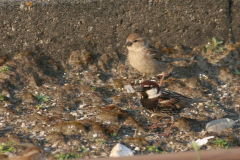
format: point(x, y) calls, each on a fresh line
point(162, 102)
point(32, 153)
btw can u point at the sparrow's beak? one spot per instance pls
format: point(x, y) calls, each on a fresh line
point(128, 43)
point(141, 89)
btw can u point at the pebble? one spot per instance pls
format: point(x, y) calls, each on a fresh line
point(121, 151)
point(219, 125)
point(23, 125)
point(104, 154)
point(42, 133)
point(129, 89)
point(224, 86)
point(55, 144)
point(137, 149)
point(74, 113)
point(201, 142)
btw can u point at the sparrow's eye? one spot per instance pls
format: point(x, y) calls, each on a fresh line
point(135, 40)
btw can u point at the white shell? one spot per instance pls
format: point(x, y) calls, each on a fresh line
point(203, 141)
point(121, 151)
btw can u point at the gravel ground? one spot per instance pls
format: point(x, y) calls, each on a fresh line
point(65, 91)
point(80, 105)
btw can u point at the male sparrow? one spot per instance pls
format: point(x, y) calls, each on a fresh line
point(32, 153)
point(146, 58)
point(162, 102)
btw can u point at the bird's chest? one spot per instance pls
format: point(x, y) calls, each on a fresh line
point(150, 105)
point(141, 62)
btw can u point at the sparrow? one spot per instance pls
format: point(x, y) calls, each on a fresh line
point(163, 103)
point(146, 58)
point(32, 153)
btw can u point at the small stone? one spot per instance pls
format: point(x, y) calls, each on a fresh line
point(224, 86)
point(201, 142)
point(42, 133)
point(137, 149)
point(7, 103)
point(129, 89)
point(219, 125)
point(104, 154)
point(6, 93)
point(23, 125)
point(121, 151)
point(22, 7)
point(55, 144)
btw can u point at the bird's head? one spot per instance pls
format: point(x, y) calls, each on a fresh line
point(34, 152)
point(136, 41)
point(149, 89)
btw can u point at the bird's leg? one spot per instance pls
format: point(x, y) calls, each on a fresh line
point(154, 125)
point(143, 76)
point(135, 133)
point(167, 134)
point(135, 102)
point(163, 76)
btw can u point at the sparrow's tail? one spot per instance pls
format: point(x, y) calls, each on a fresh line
point(187, 103)
point(197, 100)
point(170, 59)
point(179, 59)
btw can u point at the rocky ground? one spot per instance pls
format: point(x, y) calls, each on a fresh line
point(64, 75)
point(80, 105)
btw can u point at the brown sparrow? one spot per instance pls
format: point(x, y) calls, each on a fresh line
point(146, 58)
point(32, 153)
point(162, 102)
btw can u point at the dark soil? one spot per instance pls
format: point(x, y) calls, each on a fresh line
point(65, 106)
point(63, 69)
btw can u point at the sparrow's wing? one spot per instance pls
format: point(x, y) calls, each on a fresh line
point(169, 99)
point(159, 56)
point(155, 53)
point(176, 100)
